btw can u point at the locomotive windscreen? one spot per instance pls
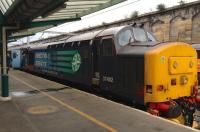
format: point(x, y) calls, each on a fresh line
point(140, 34)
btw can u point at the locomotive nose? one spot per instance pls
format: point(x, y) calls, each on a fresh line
point(172, 66)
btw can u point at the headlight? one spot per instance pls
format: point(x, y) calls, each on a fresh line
point(183, 80)
point(175, 65)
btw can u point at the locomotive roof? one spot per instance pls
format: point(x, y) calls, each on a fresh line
point(98, 33)
point(81, 37)
point(196, 46)
point(111, 31)
point(44, 46)
point(19, 47)
point(84, 36)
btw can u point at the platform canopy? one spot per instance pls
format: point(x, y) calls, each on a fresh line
point(31, 14)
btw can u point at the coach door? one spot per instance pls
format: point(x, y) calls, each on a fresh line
point(107, 63)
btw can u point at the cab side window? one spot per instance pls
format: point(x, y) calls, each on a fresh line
point(108, 47)
point(14, 55)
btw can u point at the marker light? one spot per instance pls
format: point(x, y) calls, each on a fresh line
point(173, 81)
point(149, 89)
point(191, 64)
point(160, 87)
point(183, 80)
point(175, 65)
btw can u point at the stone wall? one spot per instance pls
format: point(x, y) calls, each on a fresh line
point(180, 23)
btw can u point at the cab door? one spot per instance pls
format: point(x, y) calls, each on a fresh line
point(107, 63)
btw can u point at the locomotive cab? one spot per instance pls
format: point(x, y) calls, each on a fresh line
point(120, 55)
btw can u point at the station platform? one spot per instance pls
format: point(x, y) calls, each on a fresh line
point(40, 105)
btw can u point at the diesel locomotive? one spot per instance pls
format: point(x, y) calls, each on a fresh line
point(128, 62)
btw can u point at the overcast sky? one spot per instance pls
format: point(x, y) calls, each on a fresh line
point(114, 13)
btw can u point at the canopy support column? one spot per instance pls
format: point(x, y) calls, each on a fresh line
point(4, 69)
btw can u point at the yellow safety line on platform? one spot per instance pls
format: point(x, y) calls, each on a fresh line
point(94, 120)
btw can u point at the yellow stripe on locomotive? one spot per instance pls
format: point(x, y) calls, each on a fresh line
point(170, 72)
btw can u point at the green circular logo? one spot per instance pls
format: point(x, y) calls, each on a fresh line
point(76, 62)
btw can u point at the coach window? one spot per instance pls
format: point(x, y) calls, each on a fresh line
point(108, 47)
point(125, 37)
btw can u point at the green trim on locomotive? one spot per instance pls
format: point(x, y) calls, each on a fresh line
point(72, 62)
point(65, 61)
